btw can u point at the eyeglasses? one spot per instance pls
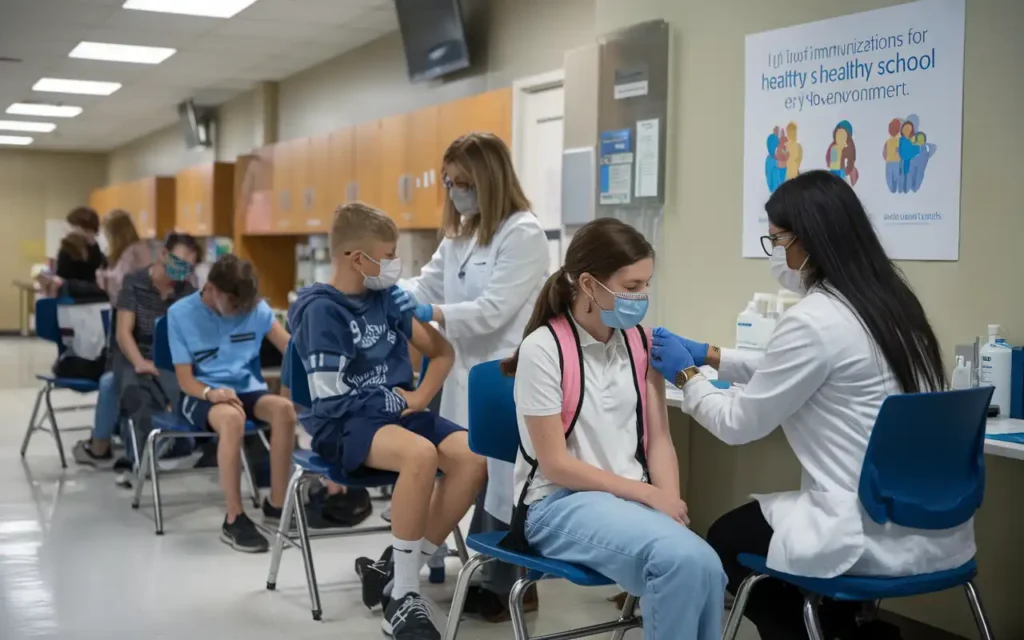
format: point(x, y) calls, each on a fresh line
point(771, 241)
point(449, 183)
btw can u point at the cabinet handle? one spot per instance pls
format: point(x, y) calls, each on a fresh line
point(284, 200)
point(352, 192)
point(309, 198)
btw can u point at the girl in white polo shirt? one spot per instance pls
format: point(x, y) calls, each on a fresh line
point(597, 479)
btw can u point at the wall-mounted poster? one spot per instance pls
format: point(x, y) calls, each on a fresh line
point(877, 99)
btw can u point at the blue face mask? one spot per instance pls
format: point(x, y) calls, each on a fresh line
point(629, 309)
point(177, 269)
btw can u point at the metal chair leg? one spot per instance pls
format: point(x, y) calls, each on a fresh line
point(134, 444)
point(628, 613)
point(154, 479)
point(739, 605)
point(292, 497)
point(250, 479)
point(32, 421)
point(515, 607)
point(307, 555)
point(980, 619)
point(141, 472)
point(811, 621)
point(460, 545)
point(52, 417)
point(461, 590)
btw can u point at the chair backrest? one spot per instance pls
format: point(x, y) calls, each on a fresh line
point(293, 376)
point(162, 351)
point(48, 323)
point(493, 428)
point(925, 463)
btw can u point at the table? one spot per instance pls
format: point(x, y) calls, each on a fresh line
point(26, 291)
point(1000, 448)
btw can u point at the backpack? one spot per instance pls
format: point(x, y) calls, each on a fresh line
point(570, 360)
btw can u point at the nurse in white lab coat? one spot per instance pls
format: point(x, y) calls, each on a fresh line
point(858, 335)
point(481, 284)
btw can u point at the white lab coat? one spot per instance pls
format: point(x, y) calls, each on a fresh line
point(485, 311)
point(823, 379)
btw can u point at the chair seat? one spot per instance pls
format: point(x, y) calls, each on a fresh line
point(315, 464)
point(81, 385)
point(487, 544)
point(868, 587)
point(171, 422)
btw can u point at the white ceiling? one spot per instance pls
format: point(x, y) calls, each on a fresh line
point(216, 60)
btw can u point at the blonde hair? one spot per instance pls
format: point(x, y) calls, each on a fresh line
point(355, 223)
point(121, 234)
point(484, 157)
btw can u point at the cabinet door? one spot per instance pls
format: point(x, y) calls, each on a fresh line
point(489, 112)
point(395, 176)
point(201, 200)
point(341, 172)
point(142, 197)
point(282, 204)
point(184, 217)
point(368, 163)
point(424, 164)
point(298, 160)
point(316, 199)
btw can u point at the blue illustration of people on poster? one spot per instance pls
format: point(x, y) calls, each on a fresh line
point(906, 152)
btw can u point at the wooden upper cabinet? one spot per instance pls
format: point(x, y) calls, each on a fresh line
point(341, 178)
point(205, 199)
point(282, 180)
point(424, 165)
point(316, 202)
point(368, 161)
point(395, 178)
point(298, 163)
point(489, 112)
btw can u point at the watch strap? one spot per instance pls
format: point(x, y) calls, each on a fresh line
point(206, 393)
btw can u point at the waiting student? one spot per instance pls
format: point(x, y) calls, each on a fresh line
point(366, 413)
point(597, 479)
point(215, 336)
point(144, 296)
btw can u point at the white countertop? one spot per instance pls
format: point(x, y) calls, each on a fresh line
point(994, 426)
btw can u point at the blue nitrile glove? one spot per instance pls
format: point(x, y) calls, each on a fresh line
point(699, 350)
point(405, 300)
point(424, 312)
point(669, 354)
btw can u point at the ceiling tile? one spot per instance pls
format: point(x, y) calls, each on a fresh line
point(333, 12)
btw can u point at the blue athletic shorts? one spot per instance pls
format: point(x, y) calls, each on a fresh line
point(349, 444)
point(195, 411)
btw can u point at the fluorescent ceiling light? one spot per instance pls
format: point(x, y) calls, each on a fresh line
point(206, 8)
point(18, 140)
point(121, 52)
point(18, 125)
point(43, 110)
point(87, 87)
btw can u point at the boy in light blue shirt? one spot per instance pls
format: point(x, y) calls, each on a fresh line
point(215, 337)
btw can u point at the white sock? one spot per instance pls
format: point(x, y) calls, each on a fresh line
point(427, 550)
point(407, 567)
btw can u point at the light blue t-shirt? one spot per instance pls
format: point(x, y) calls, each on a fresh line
point(221, 350)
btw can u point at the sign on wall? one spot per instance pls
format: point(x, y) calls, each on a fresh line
point(877, 99)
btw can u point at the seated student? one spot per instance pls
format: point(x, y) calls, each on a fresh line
point(144, 296)
point(597, 483)
point(366, 413)
point(214, 336)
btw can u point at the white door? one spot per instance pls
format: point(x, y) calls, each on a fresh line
point(540, 161)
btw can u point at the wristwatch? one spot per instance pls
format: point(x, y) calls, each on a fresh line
point(684, 376)
point(206, 393)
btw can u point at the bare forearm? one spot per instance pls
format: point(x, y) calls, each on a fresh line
point(190, 386)
point(664, 467)
point(436, 374)
point(128, 347)
point(577, 475)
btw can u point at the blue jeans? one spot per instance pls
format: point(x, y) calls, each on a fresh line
point(107, 408)
point(677, 575)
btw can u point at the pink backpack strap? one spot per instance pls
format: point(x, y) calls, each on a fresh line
point(570, 359)
point(638, 340)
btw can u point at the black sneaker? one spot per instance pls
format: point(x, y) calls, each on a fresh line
point(408, 618)
point(242, 535)
point(83, 454)
point(375, 575)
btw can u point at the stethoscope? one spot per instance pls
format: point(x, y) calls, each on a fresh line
point(465, 260)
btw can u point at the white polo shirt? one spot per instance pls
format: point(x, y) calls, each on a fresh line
point(605, 434)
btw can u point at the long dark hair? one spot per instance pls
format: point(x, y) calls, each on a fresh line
point(846, 258)
point(75, 244)
point(600, 248)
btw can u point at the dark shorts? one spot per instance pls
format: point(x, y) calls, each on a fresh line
point(349, 444)
point(195, 411)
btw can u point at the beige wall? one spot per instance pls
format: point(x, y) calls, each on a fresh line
point(703, 216)
point(35, 186)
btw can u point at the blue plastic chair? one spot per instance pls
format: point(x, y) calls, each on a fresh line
point(494, 433)
point(48, 328)
point(925, 469)
point(167, 426)
point(309, 466)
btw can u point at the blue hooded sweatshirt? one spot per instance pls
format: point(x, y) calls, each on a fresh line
point(355, 350)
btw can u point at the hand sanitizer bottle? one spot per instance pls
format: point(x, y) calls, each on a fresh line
point(961, 374)
point(996, 362)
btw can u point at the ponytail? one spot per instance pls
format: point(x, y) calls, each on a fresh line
point(555, 299)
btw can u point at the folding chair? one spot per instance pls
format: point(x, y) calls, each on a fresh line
point(925, 469)
point(309, 466)
point(48, 328)
point(494, 432)
point(167, 426)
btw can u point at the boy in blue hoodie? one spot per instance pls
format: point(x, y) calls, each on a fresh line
point(367, 414)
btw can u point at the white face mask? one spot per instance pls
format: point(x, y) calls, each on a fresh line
point(390, 272)
point(465, 201)
point(789, 278)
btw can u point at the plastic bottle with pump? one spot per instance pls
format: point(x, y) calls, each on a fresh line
point(747, 324)
point(996, 363)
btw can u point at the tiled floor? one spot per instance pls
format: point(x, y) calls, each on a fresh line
point(77, 563)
